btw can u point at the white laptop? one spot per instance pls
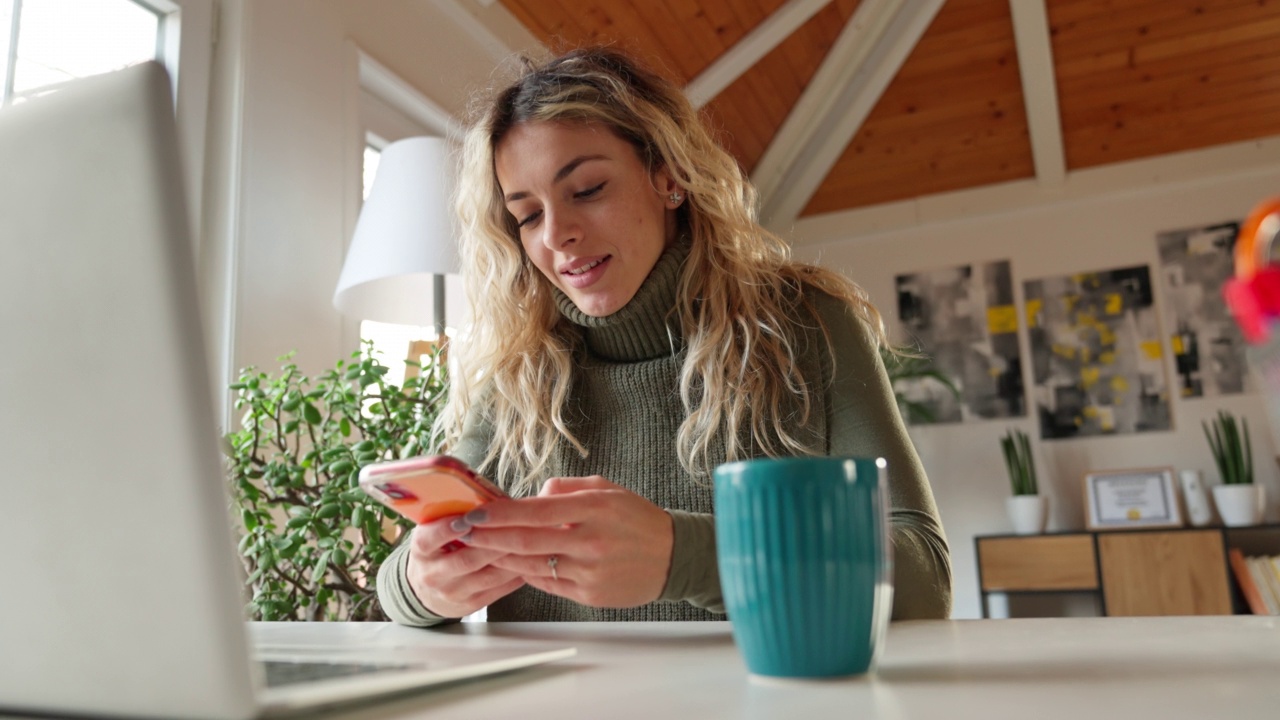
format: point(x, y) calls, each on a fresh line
point(120, 592)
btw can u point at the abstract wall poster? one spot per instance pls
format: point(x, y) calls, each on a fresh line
point(1208, 349)
point(964, 322)
point(1096, 356)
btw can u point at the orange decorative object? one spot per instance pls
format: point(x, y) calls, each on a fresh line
point(1253, 295)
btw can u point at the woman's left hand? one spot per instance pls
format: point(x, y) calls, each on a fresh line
point(611, 547)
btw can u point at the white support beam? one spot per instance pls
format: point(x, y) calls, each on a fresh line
point(1039, 89)
point(491, 25)
point(1134, 177)
point(748, 51)
point(866, 57)
point(377, 79)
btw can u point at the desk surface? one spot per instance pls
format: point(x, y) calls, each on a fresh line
point(1129, 668)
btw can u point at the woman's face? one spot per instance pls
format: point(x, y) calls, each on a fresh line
point(592, 218)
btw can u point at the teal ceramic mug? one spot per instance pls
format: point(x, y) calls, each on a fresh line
point(805, 563)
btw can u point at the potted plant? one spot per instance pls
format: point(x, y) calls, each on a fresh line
point(311, 540)
point(1028, 509)
point(1240, 501)
point(905, 366)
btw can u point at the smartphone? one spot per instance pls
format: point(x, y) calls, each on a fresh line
point(427, 488)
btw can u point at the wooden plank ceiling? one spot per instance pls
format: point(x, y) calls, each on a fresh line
point(1135, 79)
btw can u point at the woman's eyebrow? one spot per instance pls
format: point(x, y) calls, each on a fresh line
point(561, 174)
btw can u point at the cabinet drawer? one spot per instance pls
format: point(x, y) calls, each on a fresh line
point(1065, 562)
point(1165, 573)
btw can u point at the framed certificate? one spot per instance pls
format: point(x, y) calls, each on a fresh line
point(1131, 499)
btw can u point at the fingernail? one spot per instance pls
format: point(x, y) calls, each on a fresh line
point(465, 539)
point(477, 516)
point(460, 524)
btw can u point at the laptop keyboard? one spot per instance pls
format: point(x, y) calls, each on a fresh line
point(292, 672)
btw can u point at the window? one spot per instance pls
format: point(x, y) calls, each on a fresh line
point(48, 42)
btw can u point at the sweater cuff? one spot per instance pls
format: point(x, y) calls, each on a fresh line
point(396, 596)
point(694, 576)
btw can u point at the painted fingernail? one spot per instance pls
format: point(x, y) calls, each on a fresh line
point(477, 516)
point(460, 524)
point(465, 539)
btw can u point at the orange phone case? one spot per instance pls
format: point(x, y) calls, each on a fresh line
point(427, 488)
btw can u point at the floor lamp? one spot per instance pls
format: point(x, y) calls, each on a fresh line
point(405, 240)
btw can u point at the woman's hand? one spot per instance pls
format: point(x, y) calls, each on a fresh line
point(454, 583)
point(612, 548)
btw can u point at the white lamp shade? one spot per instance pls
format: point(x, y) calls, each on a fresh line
point(404, 236)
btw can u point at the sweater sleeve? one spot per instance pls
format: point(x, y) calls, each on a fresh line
point(864, 421)
point(694, 576)
point(395, 594)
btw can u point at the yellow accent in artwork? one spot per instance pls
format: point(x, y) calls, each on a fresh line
point(1115, 304)
point(1089, 376)
point(1033, 310)
point(1091, 412)
point(1151, 348)
point(1002, 319)
point(1134, 514)
point(1084, 354)
point(1119, 384)
point(1107, 358)
point(1177, 345)
point(1065, 351)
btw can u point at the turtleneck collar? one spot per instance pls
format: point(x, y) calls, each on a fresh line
point(639, 331)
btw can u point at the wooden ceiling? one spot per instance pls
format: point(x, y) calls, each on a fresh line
point(1129, 79)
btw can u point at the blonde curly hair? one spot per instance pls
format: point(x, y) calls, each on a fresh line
point(738, 292)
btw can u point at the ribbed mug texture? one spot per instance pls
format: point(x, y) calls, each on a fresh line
point(804, 563)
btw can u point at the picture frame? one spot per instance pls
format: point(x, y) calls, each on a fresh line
point(1131, 499)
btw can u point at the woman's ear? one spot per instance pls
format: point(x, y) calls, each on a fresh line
point(667, 186)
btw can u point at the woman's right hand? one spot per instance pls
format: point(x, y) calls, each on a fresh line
point(454, 583)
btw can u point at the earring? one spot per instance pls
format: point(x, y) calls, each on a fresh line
point(675, 198)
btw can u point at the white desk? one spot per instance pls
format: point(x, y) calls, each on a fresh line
point(1128, 668)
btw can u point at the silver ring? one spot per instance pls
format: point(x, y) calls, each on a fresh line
point(552, 561)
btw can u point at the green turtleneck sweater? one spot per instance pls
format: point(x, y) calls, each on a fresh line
point(627, 411)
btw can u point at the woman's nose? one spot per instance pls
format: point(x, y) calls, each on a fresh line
point(559, 228)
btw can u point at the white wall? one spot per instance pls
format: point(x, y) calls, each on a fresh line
point(964, 461)
point(283, 155)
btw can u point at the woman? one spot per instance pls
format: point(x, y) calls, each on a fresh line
point(634, 328)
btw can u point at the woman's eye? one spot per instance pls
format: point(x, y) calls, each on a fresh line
point(530, 219)
point(590, 191)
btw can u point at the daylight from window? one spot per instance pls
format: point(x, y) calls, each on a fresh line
point(60, 40)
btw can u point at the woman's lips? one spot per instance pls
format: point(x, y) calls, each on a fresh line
point(588, 277)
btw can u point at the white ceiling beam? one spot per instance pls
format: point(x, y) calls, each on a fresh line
point(490, 25)
point(1252, 158)
point(1039, 89)
point(865, 58)
point(387, 86)
point(747, 52)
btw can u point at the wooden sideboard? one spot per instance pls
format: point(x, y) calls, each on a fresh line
point(1181, 571)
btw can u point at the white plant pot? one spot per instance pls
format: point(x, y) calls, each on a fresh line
point(1028, 513)
point(1239, 505)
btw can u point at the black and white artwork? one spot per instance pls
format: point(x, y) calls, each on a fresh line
point(1096, 355)
point(1208, 349)
point(964, 322)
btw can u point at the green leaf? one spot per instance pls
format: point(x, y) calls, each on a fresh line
point(311, 414)
point(344, 427)
point(327, 511)
point(357, 516)
point(298, 522)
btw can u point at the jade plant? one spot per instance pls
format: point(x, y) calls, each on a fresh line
point(311, 541)
point(1232, 451)
point(1018, 460)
